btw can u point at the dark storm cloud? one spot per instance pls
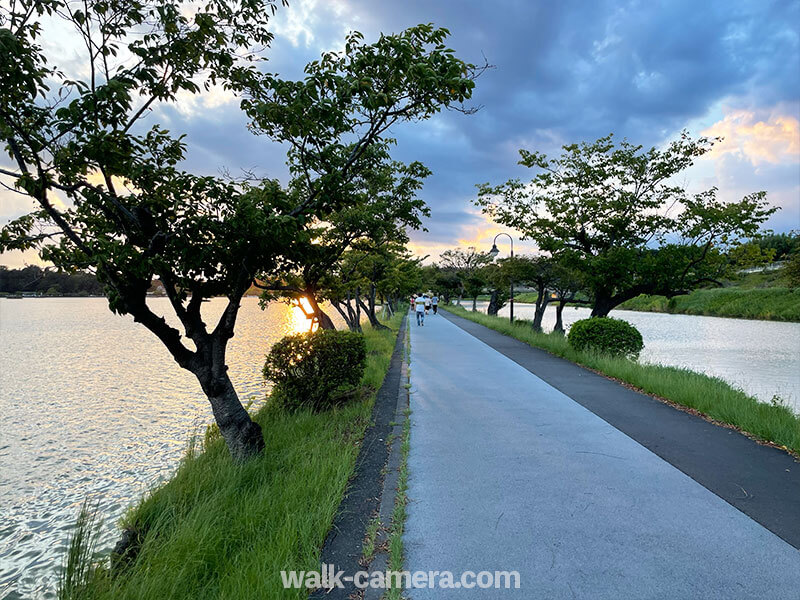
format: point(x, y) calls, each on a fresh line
point(563, 72)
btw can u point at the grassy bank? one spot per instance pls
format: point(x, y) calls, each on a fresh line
point(711, 396)
point(773, 303)
point(222, 531)
point(759, 295)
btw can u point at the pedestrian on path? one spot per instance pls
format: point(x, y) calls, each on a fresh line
point(419, 305)
point(427, 304)
point(435, 303)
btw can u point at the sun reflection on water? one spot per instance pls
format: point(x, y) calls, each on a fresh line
point(302, 320)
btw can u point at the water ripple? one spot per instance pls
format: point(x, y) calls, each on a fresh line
point(94, 407)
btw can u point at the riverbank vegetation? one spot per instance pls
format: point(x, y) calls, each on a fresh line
point(772, 304)
point(768, 295)
point(221, 530)
point(775, 422)
point(48, 282)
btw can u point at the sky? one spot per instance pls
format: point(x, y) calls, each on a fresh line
point(564, 72)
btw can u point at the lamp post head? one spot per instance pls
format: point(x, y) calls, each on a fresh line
point(494, 251)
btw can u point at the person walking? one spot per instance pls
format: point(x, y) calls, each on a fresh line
point(435, 303)
point(427, 304)
point(419, 305)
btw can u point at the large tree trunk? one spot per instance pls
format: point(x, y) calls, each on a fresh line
point(541, 305)
point(373, 318)
point(358, 310)
point(602, 305)
point(493, 308)
point(345, 315)
point(351, 316)
point(242, 435)
point(324, 320)
point(474, 303)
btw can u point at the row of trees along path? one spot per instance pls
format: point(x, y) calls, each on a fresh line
point(112, 195)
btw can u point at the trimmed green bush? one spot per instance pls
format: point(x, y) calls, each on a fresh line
point(606, 335)
point(316, 370)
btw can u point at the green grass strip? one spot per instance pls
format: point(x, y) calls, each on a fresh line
point(217, 530)
point(775, 423)
point(772, 304)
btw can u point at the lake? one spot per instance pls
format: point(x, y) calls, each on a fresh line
point(94, 407)
point(760, 357)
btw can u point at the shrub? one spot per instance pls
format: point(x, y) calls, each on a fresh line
point(316, 370)
point(607, 335)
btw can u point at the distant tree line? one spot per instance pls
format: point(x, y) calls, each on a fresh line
point(48, 281)
point(784, 244)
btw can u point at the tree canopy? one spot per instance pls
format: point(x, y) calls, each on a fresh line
point(614, 213)
point(110, 192)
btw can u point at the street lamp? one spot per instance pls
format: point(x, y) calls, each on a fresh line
point(493, 253)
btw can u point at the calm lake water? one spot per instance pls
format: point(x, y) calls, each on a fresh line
point(760, 357)
point(94, 407)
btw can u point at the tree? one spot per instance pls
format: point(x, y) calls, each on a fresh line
point(784, 244)
point(147, 218)
point(387, 270)
point(383, 206)
point(464, 264)
point(335, 122)
point(474, 285)
point(626, 227)
point(441, 281)
point(498, 283)
point(131, 213)
point(791, 272)
point(565, 286)
point(539, 273)
point(401, 278)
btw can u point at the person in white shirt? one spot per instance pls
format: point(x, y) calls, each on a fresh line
point(419, 305)
point(435, 303)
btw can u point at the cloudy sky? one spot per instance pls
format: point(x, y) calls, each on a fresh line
point(564, 72)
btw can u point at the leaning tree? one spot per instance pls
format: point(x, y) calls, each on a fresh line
point(109, 192)
point(336, 122)
point(623, 223)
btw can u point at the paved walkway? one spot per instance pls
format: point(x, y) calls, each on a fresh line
point(508, 473)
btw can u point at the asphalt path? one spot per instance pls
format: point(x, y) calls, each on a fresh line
point(508, 473)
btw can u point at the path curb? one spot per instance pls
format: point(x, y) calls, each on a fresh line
point(380, 561)
point(344, 544)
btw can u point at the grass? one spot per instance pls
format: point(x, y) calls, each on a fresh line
point(759, 295)
point(773, 304)
point(217, 530)
point(400, 512)
point(775, 422)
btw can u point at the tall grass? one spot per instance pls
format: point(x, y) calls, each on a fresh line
point(219, 530)
point(773, 303)
point(711, 396)
point(80, 569)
